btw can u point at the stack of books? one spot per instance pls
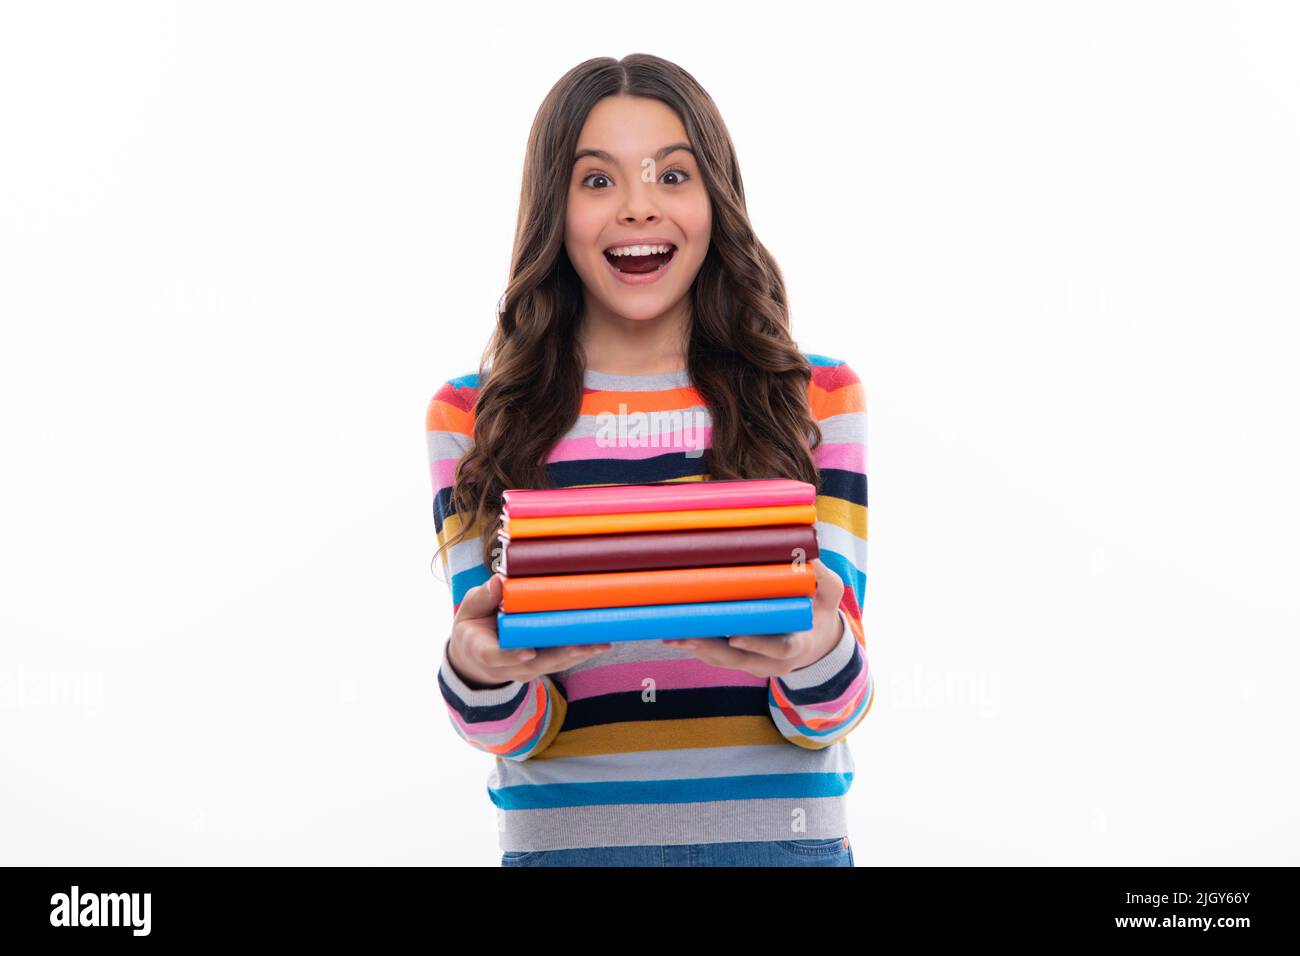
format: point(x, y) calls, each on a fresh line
point(638, 562)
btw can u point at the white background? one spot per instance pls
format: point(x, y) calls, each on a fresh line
point(242, 244)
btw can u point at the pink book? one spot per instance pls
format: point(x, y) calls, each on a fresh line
point(665, 496)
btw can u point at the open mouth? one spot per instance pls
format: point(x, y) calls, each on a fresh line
point(641, 264)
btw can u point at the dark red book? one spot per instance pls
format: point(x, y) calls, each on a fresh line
point(580, 554)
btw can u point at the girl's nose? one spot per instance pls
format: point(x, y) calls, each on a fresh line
point(639, 204)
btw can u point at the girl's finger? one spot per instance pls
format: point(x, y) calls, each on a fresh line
point(775, 646)
point(719, 652)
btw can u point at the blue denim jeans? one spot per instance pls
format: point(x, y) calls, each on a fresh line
point(830, 851)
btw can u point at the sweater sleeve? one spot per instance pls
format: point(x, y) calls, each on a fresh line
point(819, 704)
point(518, 719)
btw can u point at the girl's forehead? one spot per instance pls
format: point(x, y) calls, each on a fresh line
point(632, 120)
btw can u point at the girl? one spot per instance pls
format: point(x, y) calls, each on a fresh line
point(639, 292)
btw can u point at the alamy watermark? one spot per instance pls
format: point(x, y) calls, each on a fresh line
point(923, 689)
point(101, 909)
point(22, 689)
point(674, 430)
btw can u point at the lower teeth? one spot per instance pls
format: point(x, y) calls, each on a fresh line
point(667, 258)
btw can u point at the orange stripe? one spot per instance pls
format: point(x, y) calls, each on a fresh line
point(669, 399)
point(850, 398)
point(856, 626)
point(442, 417)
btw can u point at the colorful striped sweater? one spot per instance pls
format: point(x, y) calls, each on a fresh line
point(645, 743)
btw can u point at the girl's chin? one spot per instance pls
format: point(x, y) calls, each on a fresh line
point(641, 311)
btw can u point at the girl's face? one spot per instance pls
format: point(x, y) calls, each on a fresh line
point(635, 185)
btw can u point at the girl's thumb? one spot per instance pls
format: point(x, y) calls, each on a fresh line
point(482, 599)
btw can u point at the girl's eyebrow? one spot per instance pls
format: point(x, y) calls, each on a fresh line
point(606, 157)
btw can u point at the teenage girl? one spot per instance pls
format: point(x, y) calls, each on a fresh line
point(637, 287)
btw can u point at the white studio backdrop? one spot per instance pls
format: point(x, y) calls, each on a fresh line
point(242, 244)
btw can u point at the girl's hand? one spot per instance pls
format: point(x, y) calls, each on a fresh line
point(770, 655)
point(476, 654)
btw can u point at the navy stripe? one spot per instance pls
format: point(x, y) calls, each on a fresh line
point(477, 715)
point(838, 483)
point(831, 688)
point(442, 509)
point(608, 471)
point(679, 704)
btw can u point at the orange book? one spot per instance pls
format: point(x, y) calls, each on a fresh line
point(565, 592)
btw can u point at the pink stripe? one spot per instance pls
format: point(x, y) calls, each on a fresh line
point(850, 696)
point(573, 449)
point(677, 674)
point(850, 456)
point(442, 472)
point(484, 728)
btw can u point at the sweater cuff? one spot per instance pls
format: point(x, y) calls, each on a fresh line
point(823, 669)
point(478, 697)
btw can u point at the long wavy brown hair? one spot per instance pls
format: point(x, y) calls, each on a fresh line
point(741, 358)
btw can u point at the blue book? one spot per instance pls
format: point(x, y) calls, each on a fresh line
point(645, 622)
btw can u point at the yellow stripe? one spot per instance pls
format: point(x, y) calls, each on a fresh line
point(844, 514)
point(685, 734)
point(451, 525)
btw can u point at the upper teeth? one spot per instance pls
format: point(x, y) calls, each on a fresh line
point(637, 250)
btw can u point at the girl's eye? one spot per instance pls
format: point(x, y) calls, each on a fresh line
point(680, 173)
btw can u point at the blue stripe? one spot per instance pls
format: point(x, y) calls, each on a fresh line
point(822, 360)
point(469, 578)
point(851, 576)
point(464, 381)
point(761, 786)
